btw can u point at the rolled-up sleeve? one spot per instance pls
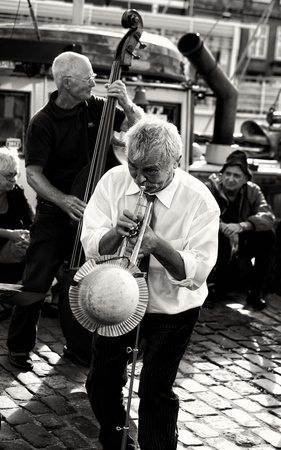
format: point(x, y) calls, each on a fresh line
point(200, 252)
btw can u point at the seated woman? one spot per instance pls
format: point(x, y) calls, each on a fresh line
point(16, 217)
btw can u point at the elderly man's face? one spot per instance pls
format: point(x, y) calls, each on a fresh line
point(155, 173)
point(233, 178)
point(81, 81)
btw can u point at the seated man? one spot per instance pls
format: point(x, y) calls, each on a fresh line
point(246, 230)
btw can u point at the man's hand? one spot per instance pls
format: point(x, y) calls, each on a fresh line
point(128, 224)
point(230, 229)
point(118, 89)
point(73, 206)
point(18, 237)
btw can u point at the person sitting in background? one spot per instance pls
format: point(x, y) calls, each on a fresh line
point(246, 230)
point(16, 217)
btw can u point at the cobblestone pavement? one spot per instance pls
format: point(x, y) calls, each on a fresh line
point(229, 383)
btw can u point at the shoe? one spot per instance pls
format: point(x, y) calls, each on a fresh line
point(256, 302)
point(20, 360)
point(70, 354)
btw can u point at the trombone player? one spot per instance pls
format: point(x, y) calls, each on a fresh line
point(182, 244)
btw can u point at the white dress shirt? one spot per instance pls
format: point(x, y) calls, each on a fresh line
point(186, 215)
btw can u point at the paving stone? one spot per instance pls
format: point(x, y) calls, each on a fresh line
point(6, 402)
point(72, 373)
point(270, 436)
point(269, 386)
point(223, 444)
point(58, 404)
point(248, 405)
point(225, 392)
point(15, 416)
point(265, 400)
point(224, 342)
point(188, 438)
point(19, 393)
point(40, 389)
point(253, 345)
point(219, 360)
point(215, 400)
point(85, 426)
point(242, 387)
point(182, 393)
point(205, 366)
point(212, 346)
point(243, 438)
point(233, 335)
point(71, 439)
point(270, 419)
point(15, 445)
point(190, 385)
point(198, 408)
point(204, 379)
point(273, 377)
point(245, 374)
point(201, 430)
point(220, 422)
point(35, 435)
point(186, 368)
point(35, 407)
point(276, 412)
point(51, 421)
point(7, 433)
point(185, 417)
point(261, 361)
point(222, 375)
point(29, 378)
point(242, 417)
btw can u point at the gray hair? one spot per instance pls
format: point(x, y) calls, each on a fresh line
point(153, 135)
point(65, 64)
point(9, 160)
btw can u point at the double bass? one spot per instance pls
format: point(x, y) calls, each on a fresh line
point(77, 337)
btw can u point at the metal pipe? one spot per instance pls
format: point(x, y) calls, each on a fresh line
point(192, 47)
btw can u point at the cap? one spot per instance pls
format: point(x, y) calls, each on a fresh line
point(238, 158)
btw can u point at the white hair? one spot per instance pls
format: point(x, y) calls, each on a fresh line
point(154, 135)
point(66, 64)
point(9, 160)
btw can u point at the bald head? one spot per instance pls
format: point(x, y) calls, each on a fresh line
point(68, 63)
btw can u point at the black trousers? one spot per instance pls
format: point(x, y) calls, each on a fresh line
point(51, 243)
point(226, 273)
point(166, 337)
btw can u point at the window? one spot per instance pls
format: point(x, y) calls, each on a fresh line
point(259, 42)
point(277, 55)
point(14, 116)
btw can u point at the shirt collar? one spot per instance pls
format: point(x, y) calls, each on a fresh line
point(61, 113)
point(165, 196)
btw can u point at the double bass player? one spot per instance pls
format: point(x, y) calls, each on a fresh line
point(59, 144)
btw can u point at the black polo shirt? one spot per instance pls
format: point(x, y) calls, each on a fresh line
point(63, 141)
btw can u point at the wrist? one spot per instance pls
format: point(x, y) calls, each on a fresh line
point(245, 226)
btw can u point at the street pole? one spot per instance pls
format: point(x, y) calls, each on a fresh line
point(78, 12)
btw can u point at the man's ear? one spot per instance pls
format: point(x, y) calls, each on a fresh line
point(176, 163)
point(65, 83)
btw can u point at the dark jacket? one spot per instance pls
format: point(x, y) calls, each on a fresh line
point(252, 206)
